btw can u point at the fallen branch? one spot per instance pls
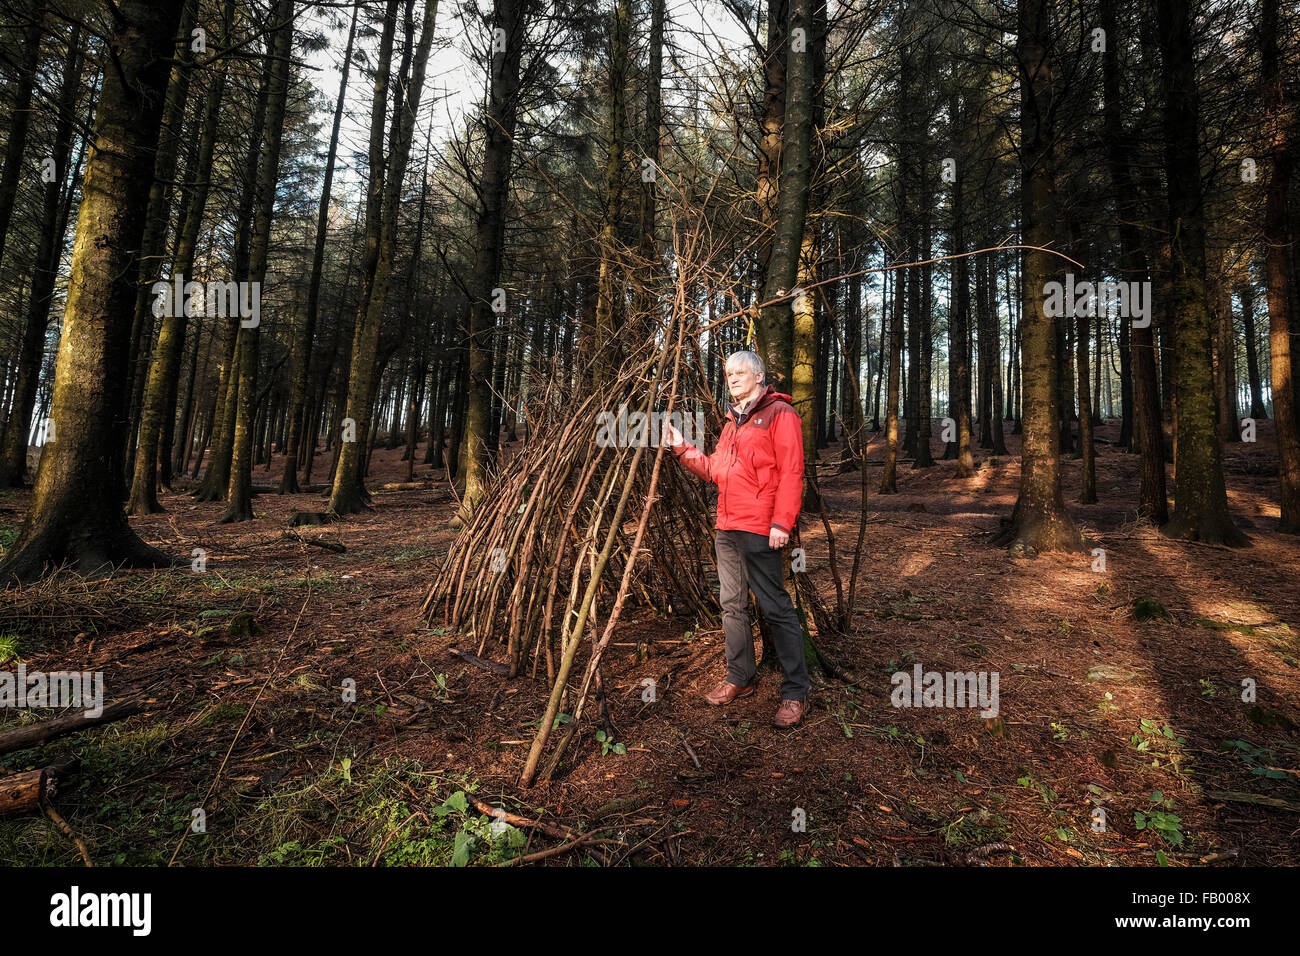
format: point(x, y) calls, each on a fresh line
point(492, 667)
point(515, 820)
point(35, 734)
point(556, 850)
point(325, 545)
point(71, 834)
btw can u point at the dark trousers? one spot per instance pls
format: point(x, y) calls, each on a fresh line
point(745, 562)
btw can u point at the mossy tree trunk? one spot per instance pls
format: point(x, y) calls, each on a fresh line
point(76, 511)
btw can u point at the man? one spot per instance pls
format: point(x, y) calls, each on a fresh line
point(758, 468)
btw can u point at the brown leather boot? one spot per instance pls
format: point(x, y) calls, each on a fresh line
point(726, 692)
point(790, 713)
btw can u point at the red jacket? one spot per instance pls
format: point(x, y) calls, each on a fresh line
point(757, 466)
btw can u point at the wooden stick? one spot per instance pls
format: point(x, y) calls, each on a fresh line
point(71, 834)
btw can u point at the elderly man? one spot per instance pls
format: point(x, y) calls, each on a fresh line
point(758, 468)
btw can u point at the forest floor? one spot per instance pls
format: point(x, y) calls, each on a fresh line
point(1144, 719)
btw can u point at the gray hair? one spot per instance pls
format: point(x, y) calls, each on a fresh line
point(752, 359)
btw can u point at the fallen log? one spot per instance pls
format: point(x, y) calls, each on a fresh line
point(23, 792)
point(333, 546)
point(34, 734)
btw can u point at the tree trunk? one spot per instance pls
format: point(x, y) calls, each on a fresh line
point(20, 115)
point(1039, 521)
point(76, 509)
point(1147, 431)
point(1281, 115)
point(889, 472)
point(158, 401)
point(773, 331)
point(959, 396)
point(349, 494)
point(1201, 502)
point(239, 492)
point(156, 227)
point(306, 332)
point(776, 326)
point(608, 296)
point(217, 478)
point(510, 20)
point(13, 454)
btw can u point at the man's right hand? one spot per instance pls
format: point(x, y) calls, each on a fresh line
point(671, 437)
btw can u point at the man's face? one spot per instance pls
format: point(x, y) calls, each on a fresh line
point(741, 380)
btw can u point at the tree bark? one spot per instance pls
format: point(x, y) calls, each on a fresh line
point(239, 491)
point(510, 17)
point(1281, 117)
point(76, 510)
point(1201, 501)
point(1039, 521)
point(349, 493)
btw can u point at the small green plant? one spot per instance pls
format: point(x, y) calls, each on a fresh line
point(607, 745)
point(1049, 795)
point(304, 682)
point(844, 723)
point(1059, 731)
point(8, 648)
point(1166, 825)
point(1151, 731)
point(441, 693)
point(1207, 687)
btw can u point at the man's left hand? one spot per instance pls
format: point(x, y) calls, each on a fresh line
point(777, 539)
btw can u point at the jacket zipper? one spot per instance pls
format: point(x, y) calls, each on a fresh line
point(735, 454)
